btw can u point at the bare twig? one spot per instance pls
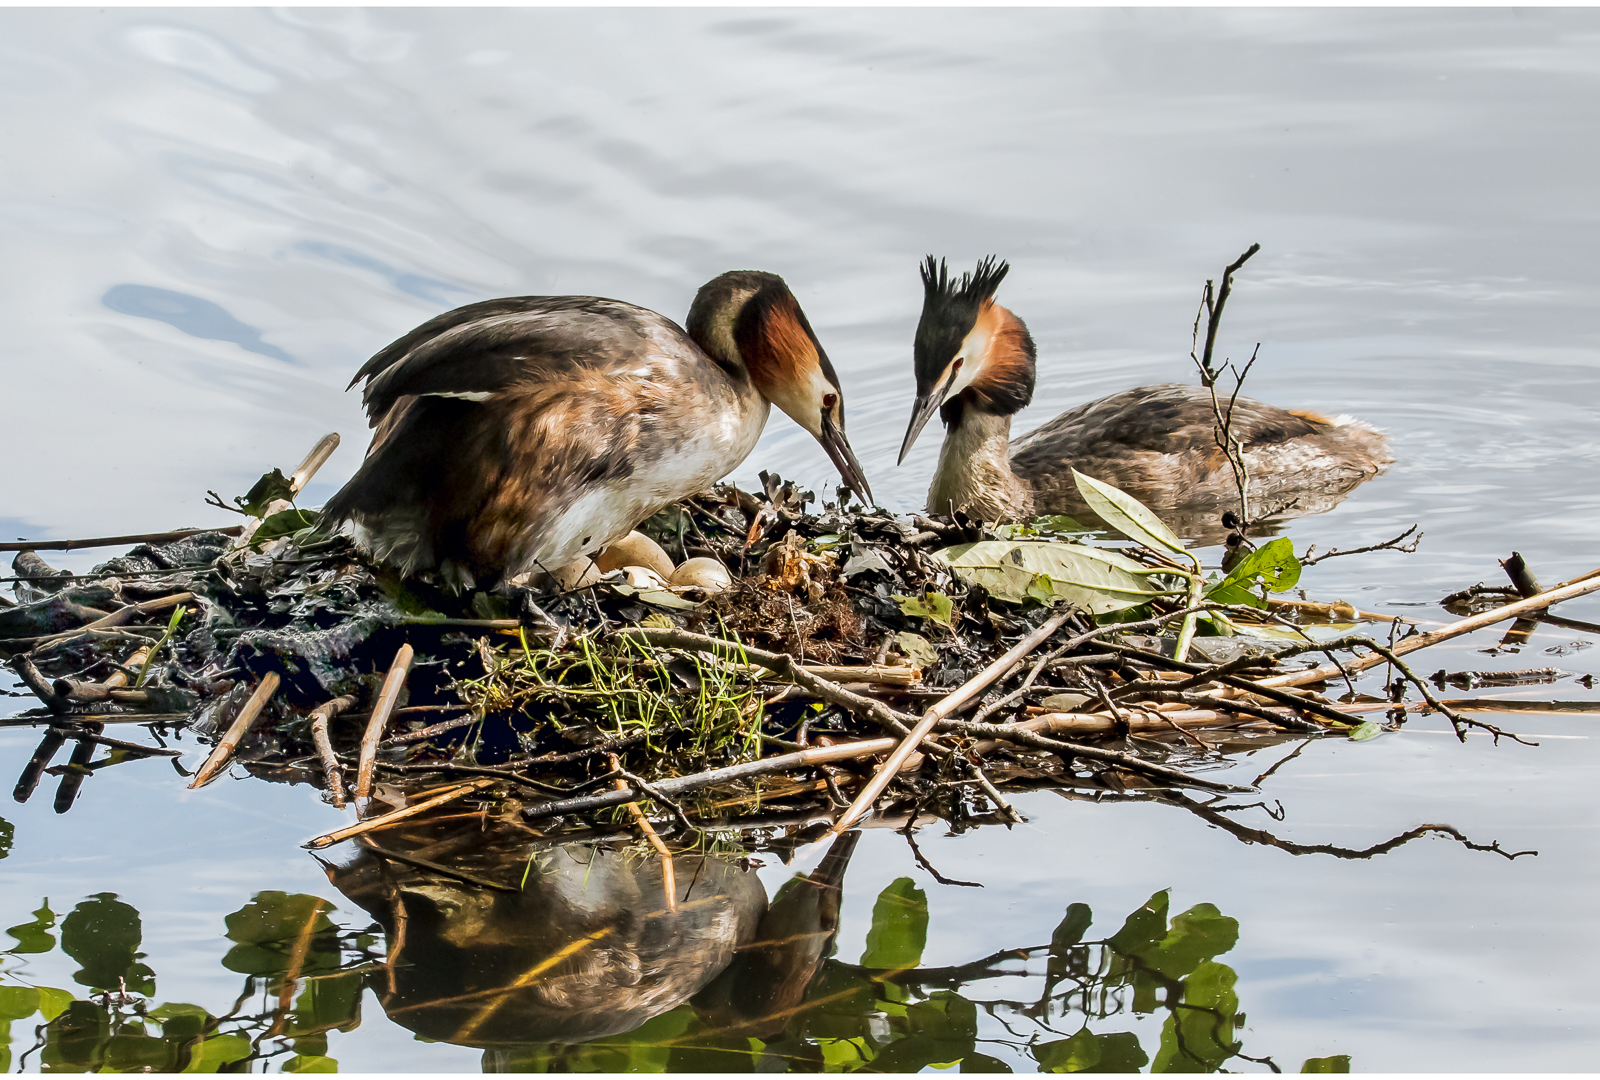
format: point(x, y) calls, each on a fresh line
point(236, 732)
point(387, 696)
point(430, 800)
point(1579, 586)
point(115, 541)
point(332, 772)
point(319, 455)
point(669, 882)
point(968, 690)
point(679, 784)
point(1393, 544)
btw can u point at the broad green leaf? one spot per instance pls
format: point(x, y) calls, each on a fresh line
point(1273, 564)
point(983, 1063)
point(1095, 579)
point(917, 648)
point(18, 1002)
point(1197, 935)
point(1143, 928)
point(935, 605)
point(1118, 1052)
point(35, 937)
point(7, 834)
point(943, 1029)
point(1128, 515)
point(283, 523)
point(1338, 1063)
point(302, 1063)
point(273, 485)
point(219, 1050)
point(1364, 731)
point(899, 927)
point(103, 935)
point(267, 928)
point(1199, 1038)
point(53, 1002)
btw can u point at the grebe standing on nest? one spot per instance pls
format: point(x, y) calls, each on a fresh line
point(975, 367)
point(521, 433)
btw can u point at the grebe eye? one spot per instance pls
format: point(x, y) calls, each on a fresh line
point(958, 364)
point(828, 401)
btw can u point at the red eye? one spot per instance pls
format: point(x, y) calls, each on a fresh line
point(828, 401)
point(958, 363)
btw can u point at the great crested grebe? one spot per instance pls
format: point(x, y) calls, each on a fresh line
point(975, 367)
point(521, 433)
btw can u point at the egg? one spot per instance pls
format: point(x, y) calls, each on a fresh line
point(635, 549)
point(577, 574)
point(707, 574)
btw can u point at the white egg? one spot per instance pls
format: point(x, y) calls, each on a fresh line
point(707, 574)
point(635, 549)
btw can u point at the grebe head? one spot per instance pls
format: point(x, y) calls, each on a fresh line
point(969, 351)
point(748, 321)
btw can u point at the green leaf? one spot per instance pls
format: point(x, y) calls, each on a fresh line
point(943, 1029)
point(302, 1063)
point(103, 935)
point(983, 1063)
point(7, 834)
point(935, 605)
point(1118, 1052)
point(1128, 515)
point(217, 1051)
point(899, 927)
point(1060, 523)
point(272, 486)
point(1143, 928)
point(1338, 1063)
point(283, 523)
point(1196, 936)
point(1095, 579)
point(53, 1002)
point(1364, 731)
point(34, 937)
point(1273, 564)
point(1199, 1038)
point(917, 648)
point(267, 928)
point(18, 1002)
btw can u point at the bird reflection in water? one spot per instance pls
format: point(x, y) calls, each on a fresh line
point(587, 946)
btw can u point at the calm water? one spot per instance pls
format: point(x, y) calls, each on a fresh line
point(211, 218)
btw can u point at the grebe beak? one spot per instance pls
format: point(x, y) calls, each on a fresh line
point(927, 404)
point(844, 458)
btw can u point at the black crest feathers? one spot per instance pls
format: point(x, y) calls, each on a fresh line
point(972, 290)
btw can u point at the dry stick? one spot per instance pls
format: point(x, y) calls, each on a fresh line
point(668, 879)
point(320, 716)
point(236, 732)
point(115, 541)
point(71, 782)
point(34, 679)
point(119, 617)
point(973, 686)
point(1579, 586)
point(54, 739)
point(680, 784)
point(437, 868)
point(1022, 737)
point(1388, 545)
point(320, 453)
point(1262, 687)
point(387, 696)
point(454, 791)
point(115, 744)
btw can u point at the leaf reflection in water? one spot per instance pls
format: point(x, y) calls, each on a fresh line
point(575, 961)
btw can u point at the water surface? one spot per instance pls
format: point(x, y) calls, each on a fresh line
point(211, 218)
